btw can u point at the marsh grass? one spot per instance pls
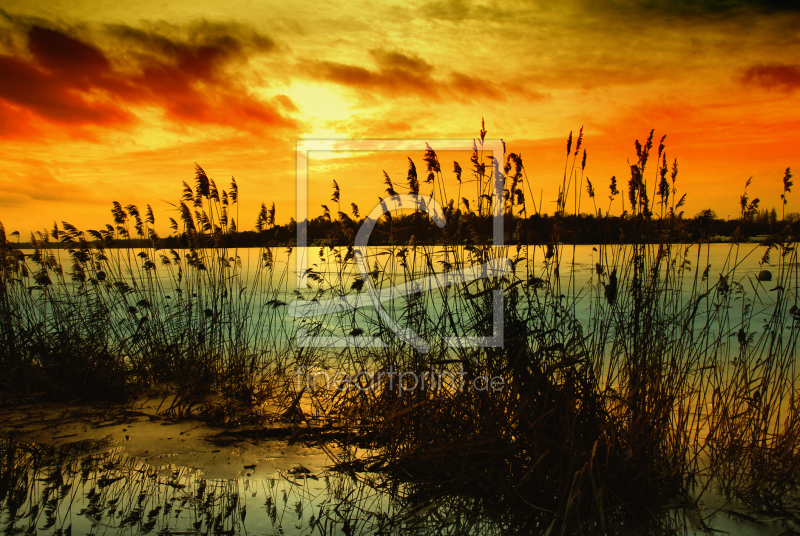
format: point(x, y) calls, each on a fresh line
point(100, 318)
point(681, 379)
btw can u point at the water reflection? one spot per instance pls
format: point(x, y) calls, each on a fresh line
point(89, 488)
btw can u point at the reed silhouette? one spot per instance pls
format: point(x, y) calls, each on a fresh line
point(683, 378)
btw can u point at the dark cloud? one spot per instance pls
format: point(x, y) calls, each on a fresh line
point(700, 7)
point(57, 98)
point(56, 83)
point(705, 10)
point(62, 79)
point(396, 74)
point(397, 61)
point(399, 75)
point(773, 76)
point(471, 85)
point(61, 53)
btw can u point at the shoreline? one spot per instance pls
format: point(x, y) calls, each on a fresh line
point(215, 452)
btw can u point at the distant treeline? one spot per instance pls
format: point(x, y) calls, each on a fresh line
point(470, 228)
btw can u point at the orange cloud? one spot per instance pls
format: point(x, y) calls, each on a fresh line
point(35, 182)
point(57, 84)
point(62, 80)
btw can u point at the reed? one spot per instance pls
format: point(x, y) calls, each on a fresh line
point(681, 378)
point(101, 317)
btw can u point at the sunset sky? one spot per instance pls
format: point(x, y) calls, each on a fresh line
point(105, 101)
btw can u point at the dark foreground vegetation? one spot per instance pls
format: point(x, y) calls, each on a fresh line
point(682, 380)
point(84, 488)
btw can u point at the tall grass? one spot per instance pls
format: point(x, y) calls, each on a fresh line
point(680, 379)
point(102, 317)
point(683, 378)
